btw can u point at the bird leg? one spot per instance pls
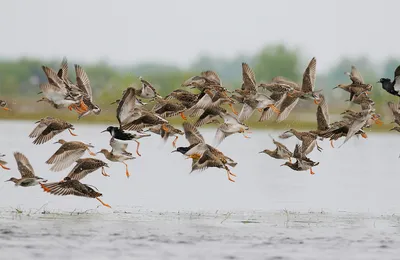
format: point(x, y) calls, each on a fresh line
point(194, 156)
point(332, 144)
point(274, 108)
point(364, 135)
point(71, 132)
point(91, 153)
point(233, 109)
point(104, 204)
point(174, 142)
point(104, 172)
point(44, 187)
point(378, 122)
point(311, 171)
point(229, 174)
point(319, 148)
point(6, 109)
point(82, 106)
point(126, 170)
point(183, 116)
point(4, 167)
point(316, 101)
point(165, 128)
point(137, 148)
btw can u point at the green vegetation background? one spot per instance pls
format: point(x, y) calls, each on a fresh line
point(20, 79)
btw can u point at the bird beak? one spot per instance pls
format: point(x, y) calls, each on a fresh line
point(335, 87)
point(378, 82)
point(55, 143)
point(103, 131)
point(261, 152)
point(282, 164)
point(174, 151)
point(7, 180)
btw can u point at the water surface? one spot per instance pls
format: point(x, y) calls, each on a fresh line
point(348, 209)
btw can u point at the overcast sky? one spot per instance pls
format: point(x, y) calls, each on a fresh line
point(177, 31)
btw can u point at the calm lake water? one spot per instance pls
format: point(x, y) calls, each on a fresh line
point(349, 209)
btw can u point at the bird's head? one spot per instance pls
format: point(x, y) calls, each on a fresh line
point(266, 151)
point(286, 164)
point(12, 179)
point(110, 129)
point(181, 150)
point(383, 80)
point(60, 141)
point(103, 151)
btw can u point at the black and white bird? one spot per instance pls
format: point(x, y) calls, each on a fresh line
point(392, 87)
point(120, 135)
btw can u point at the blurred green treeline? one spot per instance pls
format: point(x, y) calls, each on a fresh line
point(20, 78)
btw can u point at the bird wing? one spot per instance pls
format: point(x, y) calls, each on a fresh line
point(322, 114)
point(39, 128)
point(355, 76)
point(309, 76)
point(126, 106)
point(286, 107)
point(354, 128)
point(220, 135)
point(82, 81)
point(66, 155)
point(394, 108)
point(205, 161)
point(63, 71)
point(281, 147)
point(396, 80)
point(249, 78)
point(192, 134)
point(24, 166)
point(286, 82)
point(52, 77)
point(245, 112)
point(62, 189)
point(211, 76)
point(297, 152)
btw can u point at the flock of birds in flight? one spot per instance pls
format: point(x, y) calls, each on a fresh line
point(278, 97)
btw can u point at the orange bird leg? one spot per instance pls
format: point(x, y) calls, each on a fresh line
point(364, 135)
point(104, 204)
point(71, 132)
point(44, 187)
point(137, 148)
point(274, 108)
point(91, 153)
point(70, 107)
point(82, 106)
point(233, 109)
point(6, 109)
point(183, 116)
point(245, 136)
point(4, 167)
point(174, 142)
point(104, 172)
point(332, 144)
point(311, 171)
point(126, 170)
point(229, 174)
point(165, 128)
point(260, 110)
